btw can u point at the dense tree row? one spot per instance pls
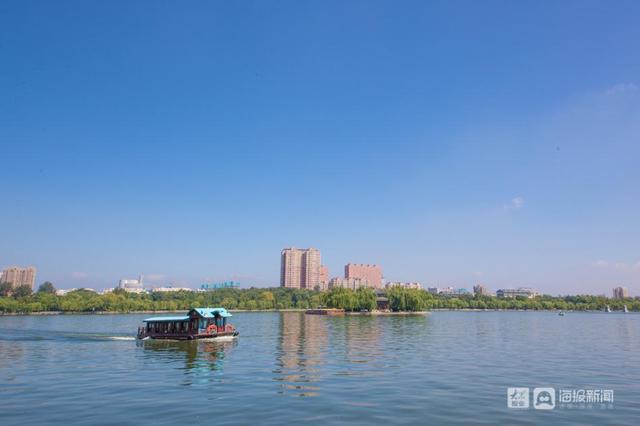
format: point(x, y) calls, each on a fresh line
point(121, 301)
point(21, 300)
point(349, 300)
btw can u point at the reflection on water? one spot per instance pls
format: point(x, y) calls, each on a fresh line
point(626, 331)
point(300, 352)
point(201, 358)
point(310, 348)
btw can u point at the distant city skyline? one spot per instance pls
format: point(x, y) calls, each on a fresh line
point(303, 269)
point(620, 293)
point(451, 143)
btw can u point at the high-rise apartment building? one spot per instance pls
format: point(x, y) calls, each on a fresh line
point(620, 293)
point(300, 268)
point(370, 273)
point(18, 276)
point(480, 290)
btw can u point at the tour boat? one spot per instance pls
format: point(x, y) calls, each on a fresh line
point(198, 323)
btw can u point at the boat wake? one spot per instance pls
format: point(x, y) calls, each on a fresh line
point(219, 339)
point(54, 335)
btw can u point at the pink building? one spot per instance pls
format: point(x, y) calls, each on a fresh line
point(300, 268)
point(369, 273)
point(324, 277)
point(19, 276)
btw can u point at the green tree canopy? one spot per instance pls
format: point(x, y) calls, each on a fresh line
point(400, 299)
point(341, 298)
point(22, 291)
point(366, 298)
point(5, 289)
point(46, 287)
point(349, 300)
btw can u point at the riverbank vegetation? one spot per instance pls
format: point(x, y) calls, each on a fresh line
point(121, 301)
point(399, 299)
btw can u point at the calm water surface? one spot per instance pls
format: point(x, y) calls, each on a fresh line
point(446, 367)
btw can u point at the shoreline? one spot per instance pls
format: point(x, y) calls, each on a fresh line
point(387, 313)
point(175, 311)
point(373, 313)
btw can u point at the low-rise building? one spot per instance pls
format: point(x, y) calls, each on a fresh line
point(414, 285)
point(382, 303)
point(64, 291)
point(170, 289)
point(350, 283)
point(219, 285)
point(527, 292)
point(132, 286)
point(448, 291)
point(322, 286)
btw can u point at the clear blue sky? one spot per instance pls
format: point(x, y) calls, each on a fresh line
point(452, 142)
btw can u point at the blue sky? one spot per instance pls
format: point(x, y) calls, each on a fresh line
point(452, 142)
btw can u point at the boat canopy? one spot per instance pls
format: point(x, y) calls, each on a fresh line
point(211, 312)
point(166, 319)
point(202, 312)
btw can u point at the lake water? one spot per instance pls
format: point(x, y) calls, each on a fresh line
point(443, 368)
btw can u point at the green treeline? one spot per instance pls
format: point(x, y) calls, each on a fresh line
point(399, 299)
point(349, 300)
point(121, 301)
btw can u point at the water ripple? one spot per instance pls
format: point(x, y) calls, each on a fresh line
point(444, 368)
